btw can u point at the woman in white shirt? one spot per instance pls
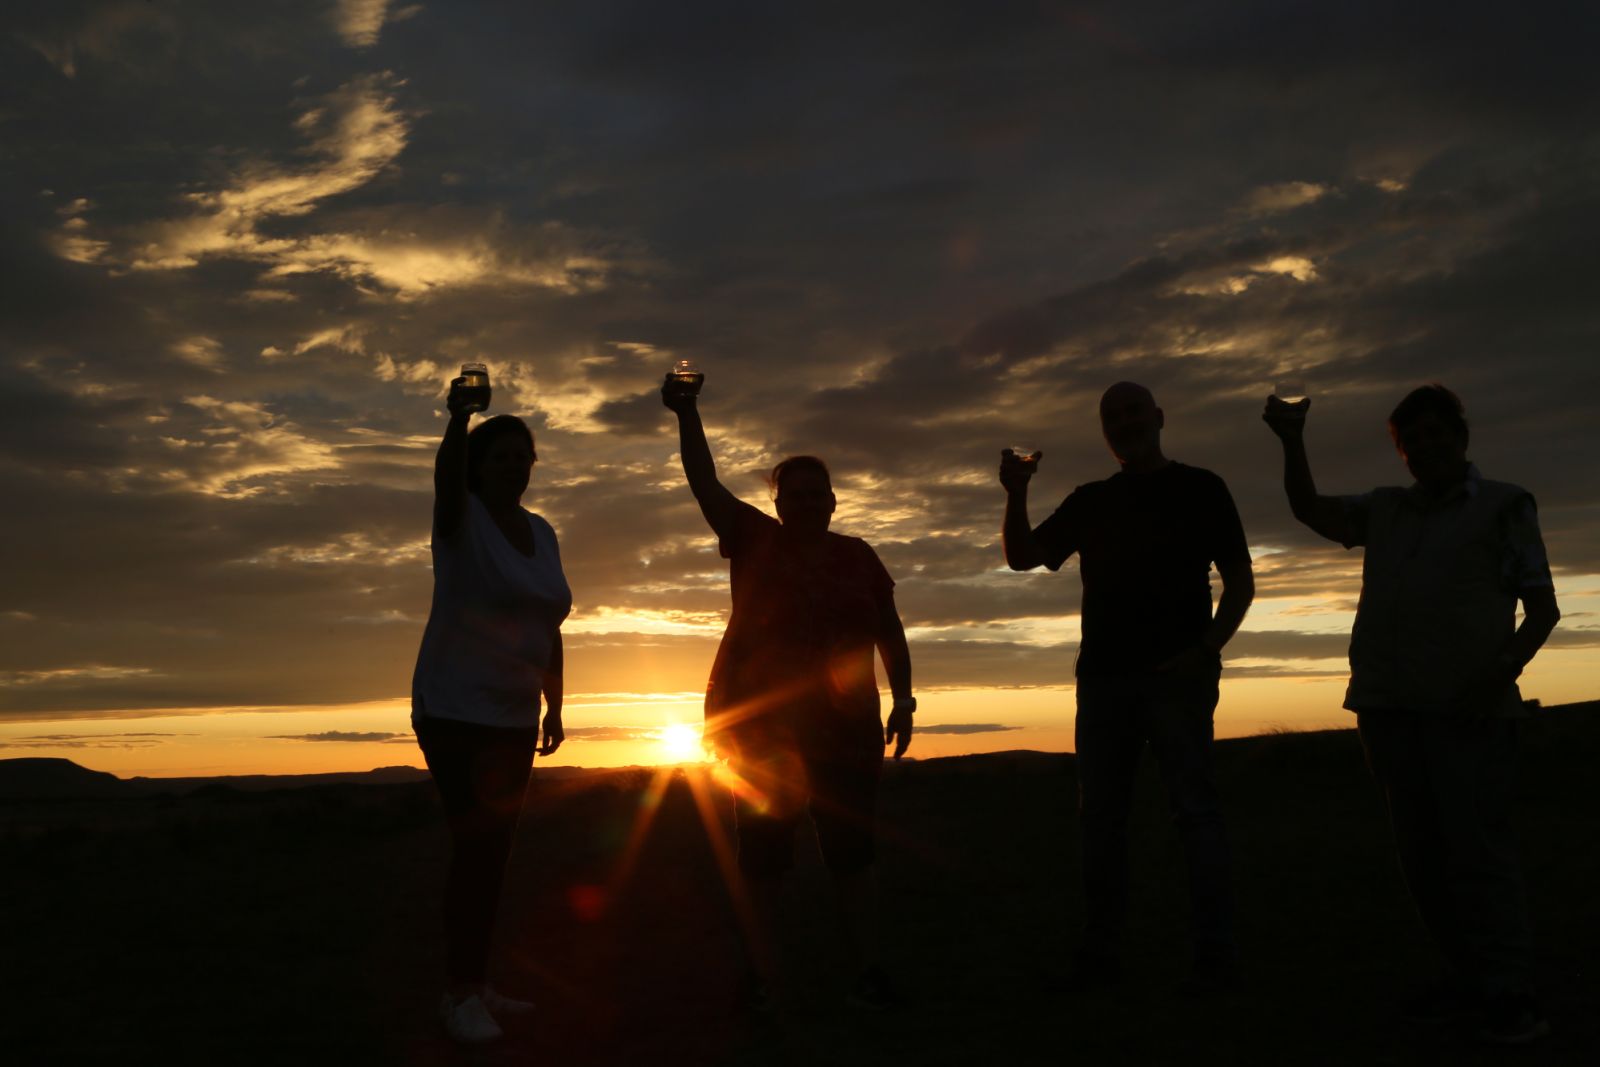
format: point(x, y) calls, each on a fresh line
point(491, 649)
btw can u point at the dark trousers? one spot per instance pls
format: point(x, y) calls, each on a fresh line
point(1117, 717)
point(482, 775)
point(1450, 786)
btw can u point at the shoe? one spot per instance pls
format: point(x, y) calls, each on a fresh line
point(1513, 1019)
point(874, 992)
point(467, 1020)
point(500, 1004)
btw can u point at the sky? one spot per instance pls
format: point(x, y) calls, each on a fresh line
point(246, 246)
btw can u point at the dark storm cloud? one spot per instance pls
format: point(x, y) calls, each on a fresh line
point(245, 248)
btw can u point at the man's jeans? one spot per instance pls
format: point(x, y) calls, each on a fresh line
point(1116, 718)
point(1450, 785)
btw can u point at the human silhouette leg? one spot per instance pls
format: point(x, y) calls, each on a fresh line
point(1108, 742)
point(1178, 722)
point(482, 776)
point(844, 803)
point(1400, 761)
point(1473, 765)
point(855, 896)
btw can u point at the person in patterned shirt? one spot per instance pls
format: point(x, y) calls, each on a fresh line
point(1434, 659)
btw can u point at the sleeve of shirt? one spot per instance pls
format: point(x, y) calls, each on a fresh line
point(1228, 543)
point(549, 533)
point(747, 526)
point(1523, 563)
point(875, 574)
point(1357, 509)
point(1058, 536)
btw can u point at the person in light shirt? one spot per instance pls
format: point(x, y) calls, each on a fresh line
point(491, 651)
point(1434, 659)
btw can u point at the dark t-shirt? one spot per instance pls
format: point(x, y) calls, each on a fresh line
point(797, 658)
point(1145, 544)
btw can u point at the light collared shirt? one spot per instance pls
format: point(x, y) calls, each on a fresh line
point(1440, 581)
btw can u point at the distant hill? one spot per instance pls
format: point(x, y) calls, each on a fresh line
point(32, 778)
point(256, 783)
point(37, 778)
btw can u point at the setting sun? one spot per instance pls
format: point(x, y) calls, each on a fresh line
point(680, 743)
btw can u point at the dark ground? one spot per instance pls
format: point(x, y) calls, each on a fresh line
point(299, 926)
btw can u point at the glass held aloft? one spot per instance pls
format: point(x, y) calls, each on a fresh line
point(685, 377)
point(1292, 399)
point(474, 391)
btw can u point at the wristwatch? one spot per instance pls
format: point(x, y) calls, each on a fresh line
point(905, 704)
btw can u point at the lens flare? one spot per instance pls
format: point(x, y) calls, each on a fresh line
point(680, 743)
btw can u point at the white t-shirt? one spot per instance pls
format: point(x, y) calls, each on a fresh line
point(492, 625)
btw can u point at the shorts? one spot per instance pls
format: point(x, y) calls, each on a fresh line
point(841, 793)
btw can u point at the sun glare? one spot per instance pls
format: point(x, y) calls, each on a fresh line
point(680, 743)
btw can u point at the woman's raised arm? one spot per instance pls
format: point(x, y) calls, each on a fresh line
point(450, 469)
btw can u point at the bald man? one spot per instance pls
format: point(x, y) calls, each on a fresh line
point(1148, 667)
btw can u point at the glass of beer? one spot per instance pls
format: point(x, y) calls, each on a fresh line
point(1026, 454)
point(1292, 398)
point(474, 387)
point(686, 377)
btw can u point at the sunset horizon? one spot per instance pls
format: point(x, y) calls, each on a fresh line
point(249, 251)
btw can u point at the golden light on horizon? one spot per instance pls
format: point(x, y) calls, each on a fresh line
point(680, 743)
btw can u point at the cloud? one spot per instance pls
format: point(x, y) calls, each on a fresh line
point(352, 133)
point(100, 35)
point(203, 352)
point(236, 292)
point(242, 447)
point(966, 728)
point(283, 216)
point(612, 733)
point(360, 21)
point(71, 677)
point(341, 735)
point(1283, 196)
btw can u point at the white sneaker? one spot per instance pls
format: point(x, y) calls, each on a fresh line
point(501, 1004)
point(468, 1021)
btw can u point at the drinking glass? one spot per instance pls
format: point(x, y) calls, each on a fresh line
point(686, 377)
point(474, 387)
point(1292, 395)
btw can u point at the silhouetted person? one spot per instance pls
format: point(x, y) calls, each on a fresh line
point(491, 648)
point(1434, 660)
point(1148, 667)
point(793, 694)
